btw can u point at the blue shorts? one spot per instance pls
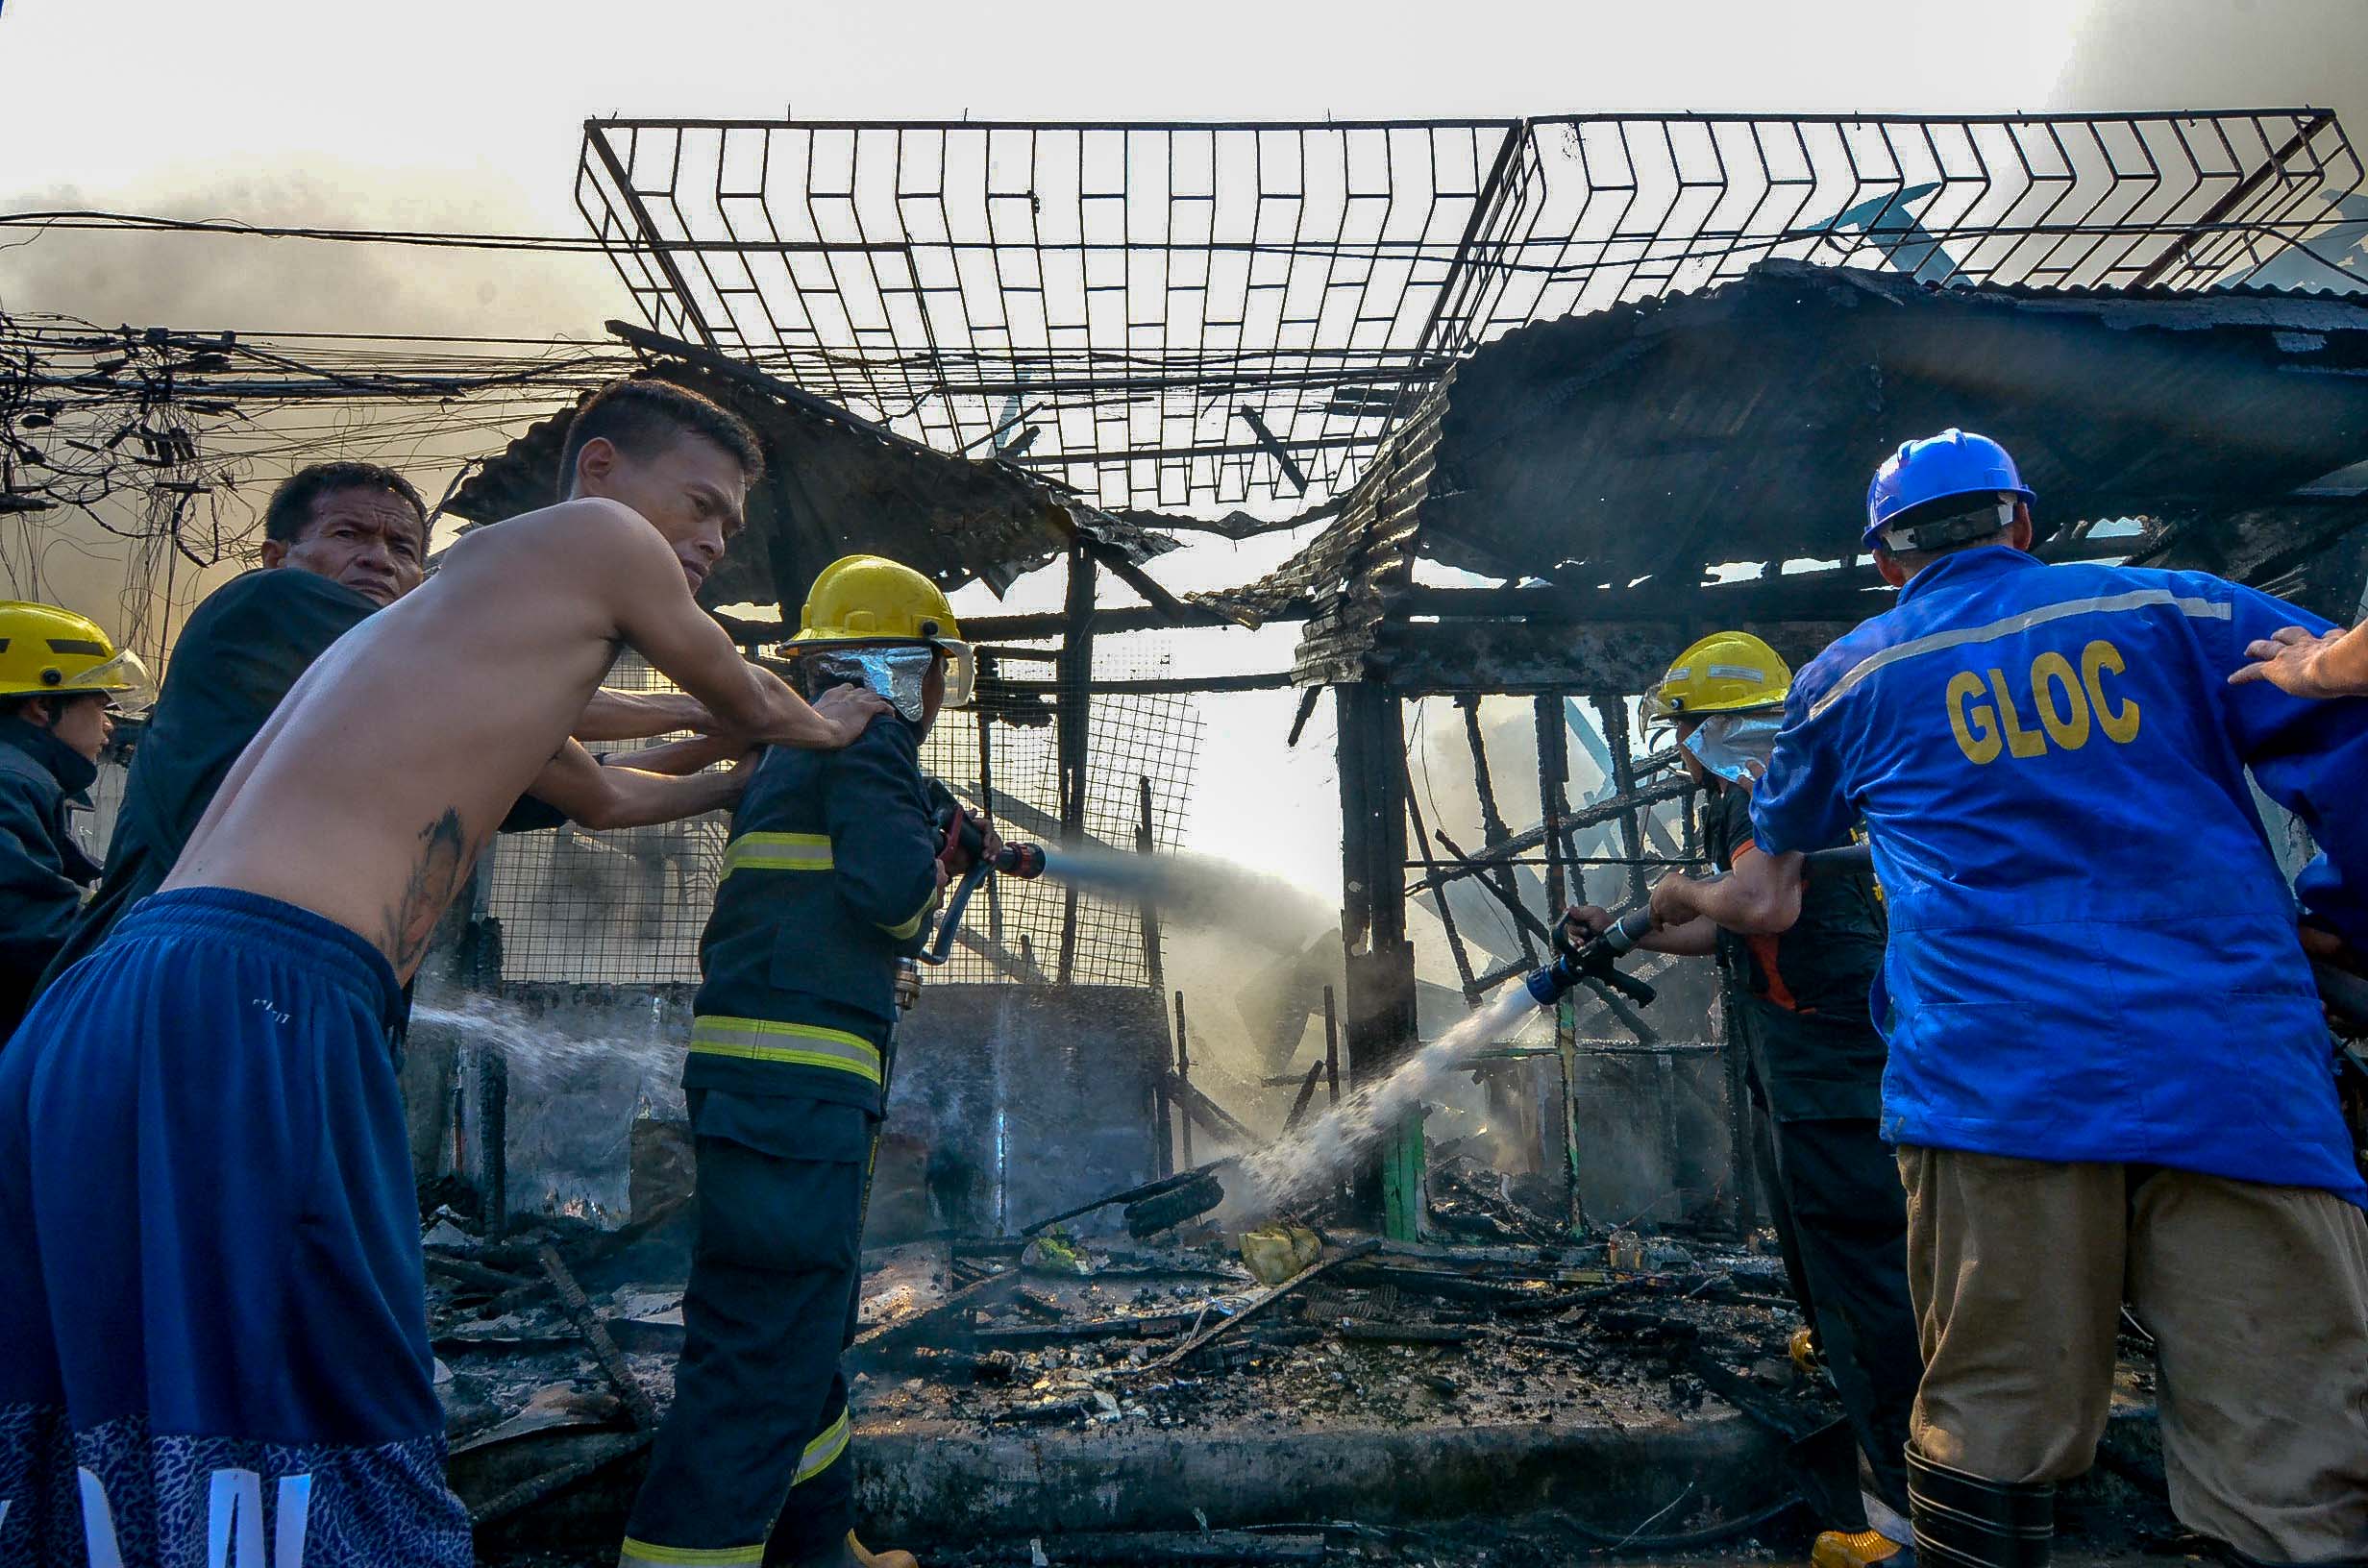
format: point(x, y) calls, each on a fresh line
point(211, 1292)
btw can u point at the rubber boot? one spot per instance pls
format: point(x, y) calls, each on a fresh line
point(870, 1559)
point(1860, 1548)
point(1802, 1347)
point(1963, 1521)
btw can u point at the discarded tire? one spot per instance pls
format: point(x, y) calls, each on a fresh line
point(1170, 1209)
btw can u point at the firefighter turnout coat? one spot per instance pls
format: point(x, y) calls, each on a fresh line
point(828, 879)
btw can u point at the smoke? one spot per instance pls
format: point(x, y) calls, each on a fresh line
point(200, 282)
point(2219, 54)
point(207, 284)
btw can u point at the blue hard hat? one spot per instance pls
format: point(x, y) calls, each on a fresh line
point(1937, 468)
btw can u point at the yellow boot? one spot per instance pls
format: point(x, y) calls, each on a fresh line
point(870, 1559)
point(1803, 1347)
point(1857, 1549)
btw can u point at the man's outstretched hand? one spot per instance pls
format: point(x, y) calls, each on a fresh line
point(848, 711)
point(2295, 662)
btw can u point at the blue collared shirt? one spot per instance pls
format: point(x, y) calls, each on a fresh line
point(2092, 951)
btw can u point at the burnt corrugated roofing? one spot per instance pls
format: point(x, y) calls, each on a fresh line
point(1740, 423)
point(834, 484)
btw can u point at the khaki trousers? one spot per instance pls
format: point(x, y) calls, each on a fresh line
point(2258, 1300)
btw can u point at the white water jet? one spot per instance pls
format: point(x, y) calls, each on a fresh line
point(1295, 1168)
point(541, 1053)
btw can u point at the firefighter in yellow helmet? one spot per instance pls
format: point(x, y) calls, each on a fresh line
point(61, 683)
point(1798, 944)
point(834, 862)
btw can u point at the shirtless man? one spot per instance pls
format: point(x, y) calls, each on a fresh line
point(213, 1307)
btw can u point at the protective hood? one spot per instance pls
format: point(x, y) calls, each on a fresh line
point(1736, 746)
point(896, 671)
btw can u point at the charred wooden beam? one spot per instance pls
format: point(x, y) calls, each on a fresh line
point(1522, 658)
point(1486, 863)
point(1612, 711)
point(1197, 1106)
point(1494, 833)
point(1073, 728)
point(1380, 962)
point(1440, 907)
point(1035, 626)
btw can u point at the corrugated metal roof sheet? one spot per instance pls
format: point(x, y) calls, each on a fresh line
point(834, 485)
point(1740, 423)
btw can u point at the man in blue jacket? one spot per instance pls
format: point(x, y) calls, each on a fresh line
point(2109, 1075)
point(833, 865)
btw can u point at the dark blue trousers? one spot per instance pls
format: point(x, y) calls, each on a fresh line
point(211, 1286)
point(751, 1465)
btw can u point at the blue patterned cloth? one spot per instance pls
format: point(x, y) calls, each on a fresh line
point(214, 1313)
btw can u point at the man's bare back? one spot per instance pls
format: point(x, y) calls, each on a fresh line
point(369, 793)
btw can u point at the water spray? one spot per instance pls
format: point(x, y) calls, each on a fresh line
point(1297, 1169)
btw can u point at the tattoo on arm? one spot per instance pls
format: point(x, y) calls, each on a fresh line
point(437, 872)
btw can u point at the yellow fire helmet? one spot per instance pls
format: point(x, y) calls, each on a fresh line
point(1727, 672)
point(47, 651)
point(864, 603)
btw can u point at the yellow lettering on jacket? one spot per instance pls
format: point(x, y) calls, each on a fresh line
point(2070, 704)
point(2020, 741)
point(1974, 724)
point(2066, 725)
point(2119, 723)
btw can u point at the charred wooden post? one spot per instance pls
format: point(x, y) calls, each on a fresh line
point(1553, 805)
point(986, 798)
point(1430, 868)
point(1494, 833)
point(493, 1096)
point(1162, 1138)
point(1381, 1027)
point(1553, 802)
point(1613, 711)
point(1072, 719)
point(1183, 1072)
point(1331, 1046)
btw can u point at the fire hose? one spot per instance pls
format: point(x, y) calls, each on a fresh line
point(1595, 960)
point(957, 828)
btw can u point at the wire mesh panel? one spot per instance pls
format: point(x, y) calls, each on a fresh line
point(1182, 315)
point(621, 907)
point(1140, 747)
point(627, 906)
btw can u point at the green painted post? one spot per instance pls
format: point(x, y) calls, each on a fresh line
point(1403, 1168)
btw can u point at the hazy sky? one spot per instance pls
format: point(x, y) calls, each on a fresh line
point(467, 113)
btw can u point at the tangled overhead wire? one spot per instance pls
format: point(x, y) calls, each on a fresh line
point(145, 435)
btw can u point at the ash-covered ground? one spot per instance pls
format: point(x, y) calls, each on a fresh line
point(1086, 1341)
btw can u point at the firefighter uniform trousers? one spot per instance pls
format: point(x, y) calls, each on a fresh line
point(753, 1456)
point(1841, 1222)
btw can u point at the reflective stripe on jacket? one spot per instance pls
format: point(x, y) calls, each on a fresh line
point(2092, 951)
point(828, 877)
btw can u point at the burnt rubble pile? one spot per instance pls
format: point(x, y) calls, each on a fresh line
point(556, 1350)
point(555, 1353)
